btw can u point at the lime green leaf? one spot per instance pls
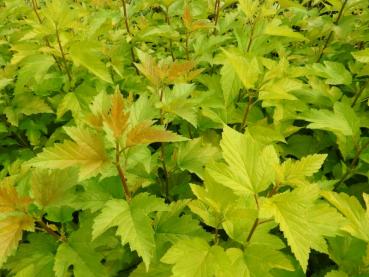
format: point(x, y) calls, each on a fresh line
point(275, 28)
point(294, 172)
point(134, 224)
point(334, 72)
point(247, 69)
point(362, 55)
point(358, 219)
point(87, 151)
point(303, 222)
point(250, 162)
point(195, 258)
point(230, 83)
point(342, 120)
point(82, 54)
point(336, 273)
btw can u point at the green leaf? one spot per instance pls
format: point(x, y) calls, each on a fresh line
point(362, 55)
point(133, 222)
point(195, 258)
point(358, 218)
point(303, 221)
point(250, 162)
point(274, 28)
point(230, 83)
point(83, 54)
point(35, 258)
point(194, 155)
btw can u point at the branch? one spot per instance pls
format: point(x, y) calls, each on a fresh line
point(127, 192)
point(331, 32)
point(63, 55)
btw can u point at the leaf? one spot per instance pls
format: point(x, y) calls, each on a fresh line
point(294, 172)
point(133, 222)
point(230, 83)
point(358, 219)
point(250, 162)
point(10, 200)
point(49, 188)
point(83, 54)
point(303, 222)
point(87, 152)
point(71, 103)
point(362, 55)
point(334, 72)
point(194, 155)
point(79, 253)
point(274, 28)
point(342, 120)
point(117, 119)
point(145, 133)
point(11, 230)
point(247, 69)
point(195, 258)
point(336, 273)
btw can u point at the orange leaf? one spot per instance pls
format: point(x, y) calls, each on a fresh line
point(145, 133)
point(187, 18)
point(177, 70)
point(11, 201)
point(117, 119)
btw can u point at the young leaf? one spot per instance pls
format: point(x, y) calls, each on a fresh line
point(145, 133)
point(362, 55)
point(134, 224)
point(117, 119)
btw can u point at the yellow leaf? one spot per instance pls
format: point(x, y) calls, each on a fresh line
point(145, 133)
point(11, 201)
point(187, 18)
point(11, 229)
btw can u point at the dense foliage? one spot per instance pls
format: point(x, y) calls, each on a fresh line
point(184, 138)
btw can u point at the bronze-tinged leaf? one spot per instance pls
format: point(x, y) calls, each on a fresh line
point(149, 68)
point(87, 152)
point(117, 119)
point(49, 187)
point(145, 133)
point(200, 24)
point(11, 229)
point(177, 70)
point(187, 17)
point(11, 201)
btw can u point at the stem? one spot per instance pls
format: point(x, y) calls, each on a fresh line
point(167, 20)
point(129, 32)
point(353, 162)
point(50, 231)
point(251, 35)
point(35, 9)
point(331, 32)
point(123, 179)
point(216, 235)
point(246, 112)
point(162, 151)
point(216, 12)
point(186, 46)
point(357, 96)
point(256, 222)
point(63, 55)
